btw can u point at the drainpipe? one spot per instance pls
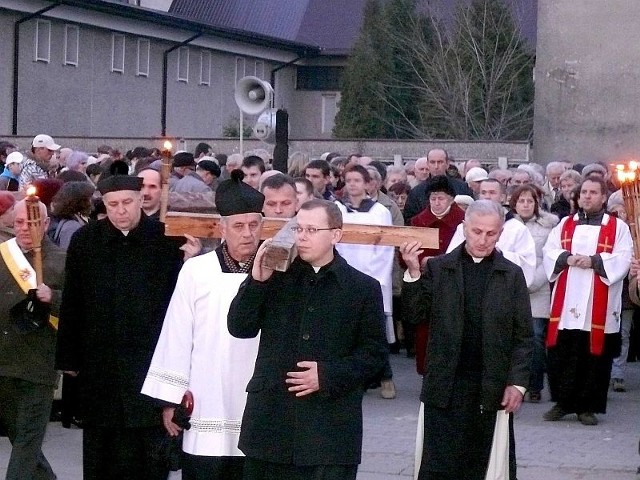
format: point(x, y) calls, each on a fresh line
point(280, 67)
point(16, 60)
point(165, 67)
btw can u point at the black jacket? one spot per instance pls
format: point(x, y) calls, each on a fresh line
point(437, 299)
point(115, 296)
point(335, 318)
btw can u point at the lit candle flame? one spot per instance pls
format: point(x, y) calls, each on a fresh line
point(31, 191)
point(619, 167)
point(168, 145)
point(633, 165)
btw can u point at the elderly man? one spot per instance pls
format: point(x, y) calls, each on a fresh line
point(438, 163)
point(196, 353)
point(112, 309)
point(43, 148)
point(395, 174)
point(477, 305)
point(280, 196)
point(183, 164)
point(421, 169)
point(321, 342)
point(234, 162)
point(587, 256)
point(516, 243)
point(474, 177)
point(200, 181)
point(27, 374)
point(552, 192)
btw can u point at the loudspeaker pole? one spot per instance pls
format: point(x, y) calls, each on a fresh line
point(281, 150)
point(241, 133)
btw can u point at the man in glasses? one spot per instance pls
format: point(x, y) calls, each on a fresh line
point(321, 343)
point(196, 353)
point(27, 345)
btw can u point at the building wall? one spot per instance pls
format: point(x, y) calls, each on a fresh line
point(587, 102)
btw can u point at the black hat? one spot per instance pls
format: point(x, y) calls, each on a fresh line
point(183, 159)
point(234, 197)
point(440, 183)
point(119, 179)
point(210, 166)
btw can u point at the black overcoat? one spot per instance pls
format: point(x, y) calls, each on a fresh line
point(335, 318)
point(437, 298)
point(116, 292)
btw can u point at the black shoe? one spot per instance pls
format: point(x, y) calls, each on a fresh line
point(556, 413)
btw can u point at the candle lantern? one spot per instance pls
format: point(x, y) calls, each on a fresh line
point(630, 186)
point(167, 162)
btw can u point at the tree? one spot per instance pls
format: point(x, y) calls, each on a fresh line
point(466, 77)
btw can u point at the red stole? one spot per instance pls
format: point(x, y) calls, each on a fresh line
point(606, 239)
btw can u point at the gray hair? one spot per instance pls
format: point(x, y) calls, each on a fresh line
point(484, 207)
point(572, 174)
point(556, 166)
point(235, 159)
point(374, 174)
point(534, 176)
point(594, 168)
point(615, 200)
point(396, 169)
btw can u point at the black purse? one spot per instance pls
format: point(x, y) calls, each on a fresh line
point(30, 314)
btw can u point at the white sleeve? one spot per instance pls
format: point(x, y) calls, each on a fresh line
point(457, 239)
point(616, 264)
point(168, 375)
point(552, 250)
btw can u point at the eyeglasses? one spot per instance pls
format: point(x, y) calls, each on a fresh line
point(309, 230)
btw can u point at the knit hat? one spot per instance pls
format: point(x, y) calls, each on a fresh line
point(210, 166)
point(439, 183)
point(234, 197)
point(46, 188)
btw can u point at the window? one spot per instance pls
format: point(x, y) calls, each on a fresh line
point(117, 53)
point(319, 78)
point(259, 69)
point(183, 64)
point(71, 45)
point(42, 41)
point(144, 46)
point(205, 67)
point(240, 64)
point(329, 110)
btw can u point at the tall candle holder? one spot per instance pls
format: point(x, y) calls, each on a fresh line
point(629, 179)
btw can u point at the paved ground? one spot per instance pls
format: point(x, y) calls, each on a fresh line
point(565, 450)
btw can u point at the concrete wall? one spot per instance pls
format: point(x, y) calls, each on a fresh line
point(587, 78)
point(487, 152)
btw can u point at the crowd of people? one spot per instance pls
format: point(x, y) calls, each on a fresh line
point(176, 354)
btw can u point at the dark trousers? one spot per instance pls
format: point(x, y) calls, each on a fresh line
point(122, 453)
point(24, 414)
point(197, 467)
point(260, 470)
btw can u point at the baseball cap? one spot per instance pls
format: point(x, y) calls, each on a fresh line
point(45, 141)
point(14, 157)
point(476, 174)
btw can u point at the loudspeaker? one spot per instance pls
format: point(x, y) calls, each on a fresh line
point(253, 95)
point(265, 127)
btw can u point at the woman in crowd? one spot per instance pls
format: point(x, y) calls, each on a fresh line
point(525, 205)
point(569, 180)
point(70, 209)
point(297, 162)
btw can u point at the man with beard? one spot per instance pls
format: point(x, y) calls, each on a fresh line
point(196, 353)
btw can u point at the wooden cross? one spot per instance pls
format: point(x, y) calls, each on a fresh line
point(207, 225)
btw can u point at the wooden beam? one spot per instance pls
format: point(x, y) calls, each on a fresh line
point(205, 225)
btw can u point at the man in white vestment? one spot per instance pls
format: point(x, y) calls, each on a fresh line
point(587, 256)
point(196, 353)
point(515, 243)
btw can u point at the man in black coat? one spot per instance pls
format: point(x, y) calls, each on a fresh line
point(417, 200)
point(480, 345)
point(120, 274)
point(321, 342)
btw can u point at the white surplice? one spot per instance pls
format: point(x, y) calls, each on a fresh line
point(576, 311)
point(196, 352)
point(515, 243)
